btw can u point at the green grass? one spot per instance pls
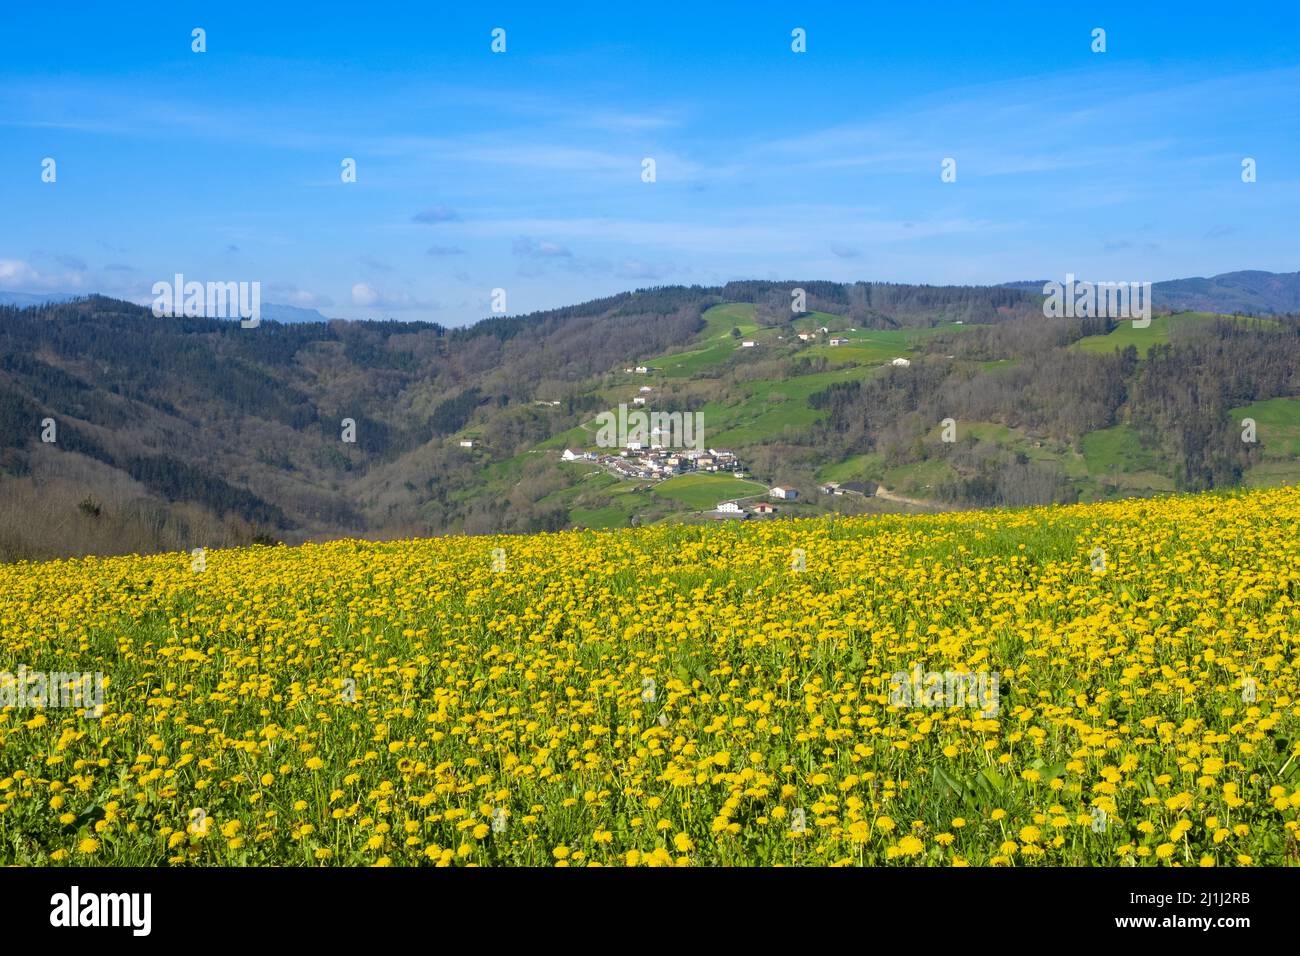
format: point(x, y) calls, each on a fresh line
point(1277, 431)
point(1271, 473)
point(873, 347)
point(1125, 334)
point(610, 516)
point(769, 424)
point(920, 479)
point(769, 408)
point(1157, 333)
point(866, 353)
point(857, 468)
point(1277, 424)
point(703, 492)
point(576, 437)
point(715, 343)
point(1108, 450)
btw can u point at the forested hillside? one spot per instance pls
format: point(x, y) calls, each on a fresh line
point(120, 431)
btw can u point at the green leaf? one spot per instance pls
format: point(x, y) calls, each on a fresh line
point(995, 780)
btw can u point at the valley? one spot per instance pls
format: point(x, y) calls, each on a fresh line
point(933, 398)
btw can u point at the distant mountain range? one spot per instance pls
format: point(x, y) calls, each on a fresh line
point(1249, 292)
point(291, 313)
point(273, 311)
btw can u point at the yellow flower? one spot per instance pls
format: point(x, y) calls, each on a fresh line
point(910, 846)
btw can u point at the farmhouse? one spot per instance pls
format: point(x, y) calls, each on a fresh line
point(787, 494)
point(639, 400)
point(764, 508)
point(642, 370)
point(901, 362)
point(747, 344)
point(573, 454)
point(829, 488)
point(730, 507)
point(855, 488)
point(467, 443)
point(838, 341)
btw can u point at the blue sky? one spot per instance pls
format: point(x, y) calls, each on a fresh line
point(522, 170)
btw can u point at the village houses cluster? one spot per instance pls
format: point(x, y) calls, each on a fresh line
point(657, 463)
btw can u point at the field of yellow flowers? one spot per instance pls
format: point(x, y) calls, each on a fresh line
point(674, 696)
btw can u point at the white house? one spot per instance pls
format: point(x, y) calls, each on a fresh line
point(572, 454)
point(642, 370)
point(639, 400)
point(730, 507)
point(839, 341)
point(788, 494)
point(747, 344)
point(467, 443)
point(901, 362)
point(646, 388)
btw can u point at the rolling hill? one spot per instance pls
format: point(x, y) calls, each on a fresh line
point(1248, 292)
point(179, 433)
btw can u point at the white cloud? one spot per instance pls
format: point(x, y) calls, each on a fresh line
point(303, 299)
point(20, 276)
point(366, 296)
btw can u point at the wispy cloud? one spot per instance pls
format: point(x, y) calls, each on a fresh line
point(436, 214)
point(367, 296)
